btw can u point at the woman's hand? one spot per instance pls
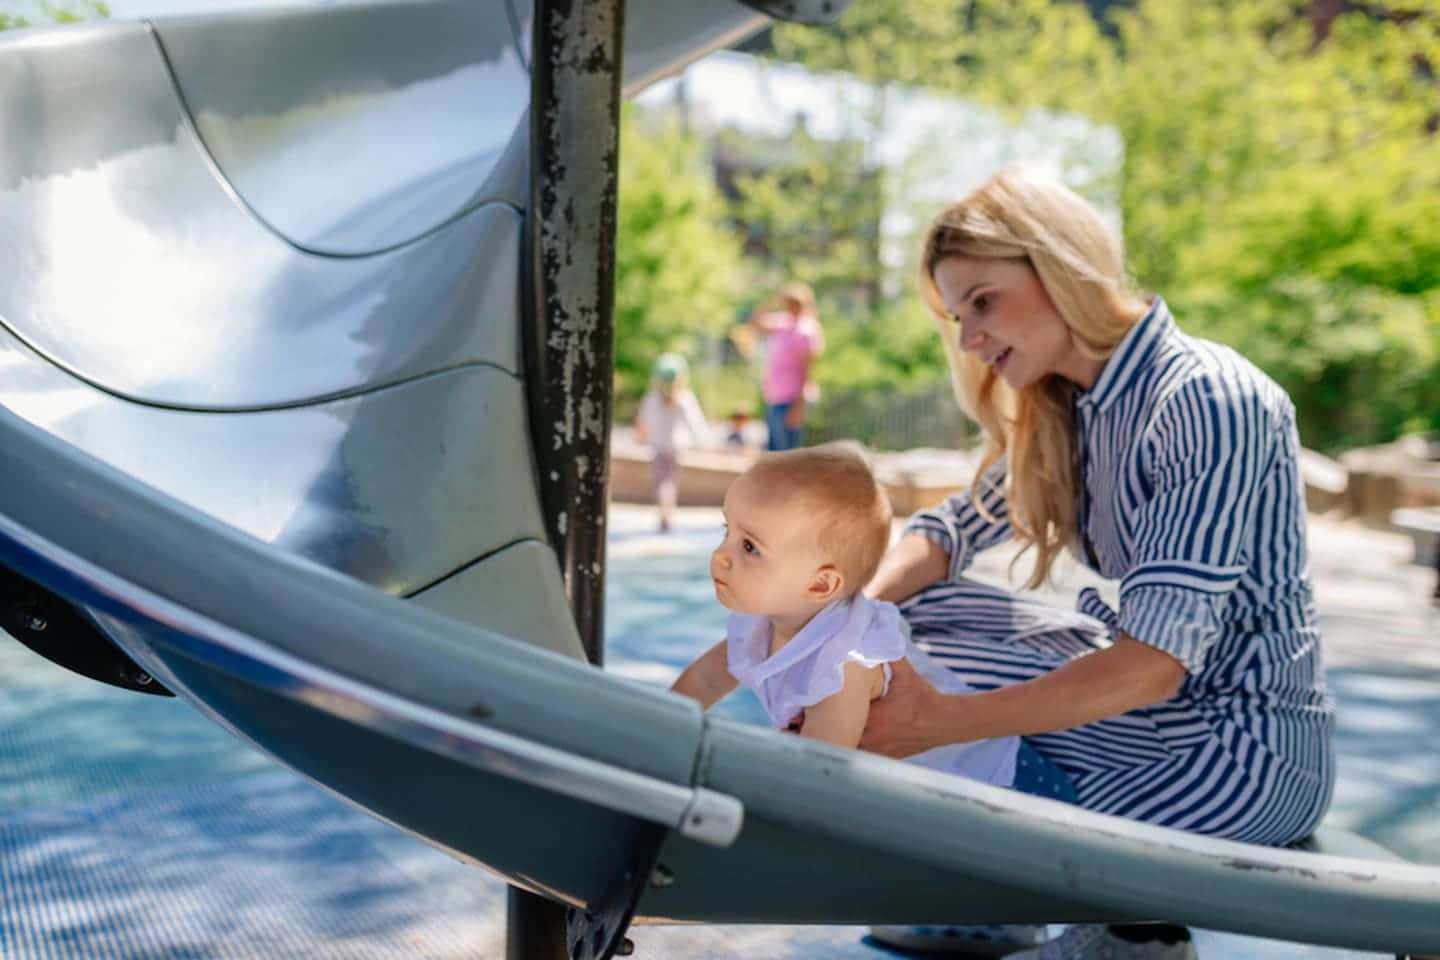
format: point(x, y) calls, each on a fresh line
point(907, 720)
point(795, 416)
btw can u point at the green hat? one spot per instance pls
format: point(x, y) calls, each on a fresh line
point(669, 367)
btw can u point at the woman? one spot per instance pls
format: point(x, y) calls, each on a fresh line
point(1162, 461)
point(793, 339)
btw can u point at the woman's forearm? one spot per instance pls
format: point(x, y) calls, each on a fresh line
point(760, 318)
point(910, 566)
point(1123, 677)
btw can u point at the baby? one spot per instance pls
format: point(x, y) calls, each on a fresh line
point(805, 530)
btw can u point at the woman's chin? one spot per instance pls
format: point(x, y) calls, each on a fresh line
point(1016, 379)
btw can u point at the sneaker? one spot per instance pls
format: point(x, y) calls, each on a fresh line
point(963, 940)
point(1095, 941)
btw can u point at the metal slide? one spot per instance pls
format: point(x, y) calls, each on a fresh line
point(266, 443)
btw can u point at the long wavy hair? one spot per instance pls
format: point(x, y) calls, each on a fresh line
point(1080, 264)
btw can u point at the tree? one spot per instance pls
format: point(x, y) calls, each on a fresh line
point(1279, 183)
point(814, 215)
point(678, 270)
point(57, 13)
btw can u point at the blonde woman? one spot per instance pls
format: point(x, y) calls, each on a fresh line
point(1164, 462)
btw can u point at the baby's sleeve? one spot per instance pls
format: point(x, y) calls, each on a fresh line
point(882, 638)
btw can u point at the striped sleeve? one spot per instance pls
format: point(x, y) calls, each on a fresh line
point(1207, 450)
point(959, 528)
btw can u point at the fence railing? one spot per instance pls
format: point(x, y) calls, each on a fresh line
point(892, 420)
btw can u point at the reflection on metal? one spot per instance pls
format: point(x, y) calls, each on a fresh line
point(126, 260)
point(355, 484)
point(574, 168)
point(370, 124)
point(662, 36)
point(517, 592)
point(815, 12)
point(226, 650)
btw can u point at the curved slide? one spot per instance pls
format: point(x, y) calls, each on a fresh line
point(264, 431)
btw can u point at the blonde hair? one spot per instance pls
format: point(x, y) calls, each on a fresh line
point(799, 294)
point(1080, 263)
point(845, 504)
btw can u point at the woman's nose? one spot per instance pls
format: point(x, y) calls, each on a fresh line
point(971, 336)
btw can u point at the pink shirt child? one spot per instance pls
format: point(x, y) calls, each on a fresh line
point(790, 345)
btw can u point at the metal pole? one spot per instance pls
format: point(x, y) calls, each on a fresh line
point(534, 927)
point(574, 150)
point(575, 132)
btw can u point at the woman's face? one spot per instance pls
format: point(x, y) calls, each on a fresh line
point(1002, 314)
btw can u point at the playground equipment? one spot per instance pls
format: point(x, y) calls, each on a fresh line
point(304, 365)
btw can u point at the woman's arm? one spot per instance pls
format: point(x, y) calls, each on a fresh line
point(762, 318)
point(795, 416)
point(708, 679)
point(911, 565)
point(913, 716)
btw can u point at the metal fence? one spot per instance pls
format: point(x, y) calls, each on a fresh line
point(892, 420)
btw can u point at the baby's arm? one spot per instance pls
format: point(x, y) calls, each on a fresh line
point(840, 717)
point(708, 678)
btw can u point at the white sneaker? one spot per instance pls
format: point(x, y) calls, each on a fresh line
point(1094, 941)
point(963, 939)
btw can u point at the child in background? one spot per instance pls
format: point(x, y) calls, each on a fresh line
point(669, 420)
point(735, 440)
point(805, 530)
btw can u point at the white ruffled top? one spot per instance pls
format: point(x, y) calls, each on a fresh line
point(811, 667)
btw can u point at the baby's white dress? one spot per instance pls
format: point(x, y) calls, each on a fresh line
point(811, 668)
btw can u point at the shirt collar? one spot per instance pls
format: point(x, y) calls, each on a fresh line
point(753, 634)
point(1132, 355)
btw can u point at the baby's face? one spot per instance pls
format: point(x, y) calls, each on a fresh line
point(769, 556)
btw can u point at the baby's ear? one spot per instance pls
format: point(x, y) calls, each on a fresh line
point(827, 584)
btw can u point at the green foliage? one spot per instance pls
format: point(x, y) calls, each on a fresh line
point(891, 348)
point(678, 268)
point(1278, 187)
point(1360, 362)
point(817, 214)
point(57, 13)
point(883, 380)
point(728, 389)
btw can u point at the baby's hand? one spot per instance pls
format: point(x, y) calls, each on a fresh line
point(796, 722)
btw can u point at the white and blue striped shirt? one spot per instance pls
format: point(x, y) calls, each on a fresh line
point(1193, 500)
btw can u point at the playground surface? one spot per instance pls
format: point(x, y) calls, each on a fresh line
point(132, 827)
